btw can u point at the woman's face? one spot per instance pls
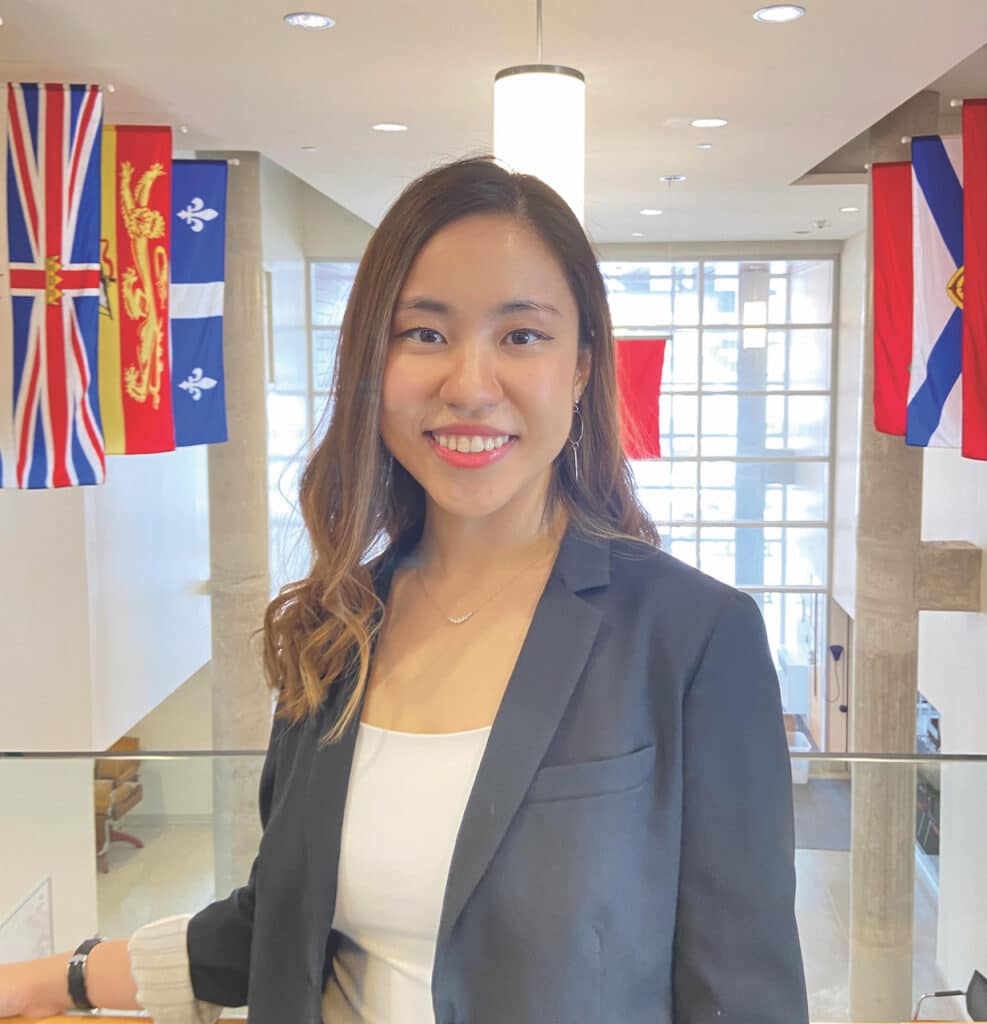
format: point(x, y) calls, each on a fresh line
point(481, 373)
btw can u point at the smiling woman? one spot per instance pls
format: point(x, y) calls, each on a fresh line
point(525, 766)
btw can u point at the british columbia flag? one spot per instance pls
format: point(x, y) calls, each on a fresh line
point(50, 431)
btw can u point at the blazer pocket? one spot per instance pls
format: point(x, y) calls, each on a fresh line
point(592, 778)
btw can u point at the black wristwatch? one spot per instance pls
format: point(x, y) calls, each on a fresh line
point(77, 975)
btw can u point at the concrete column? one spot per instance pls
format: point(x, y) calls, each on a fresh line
point(885, 673)
point(238, 534)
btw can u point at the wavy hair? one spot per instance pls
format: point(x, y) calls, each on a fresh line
point(354, 498)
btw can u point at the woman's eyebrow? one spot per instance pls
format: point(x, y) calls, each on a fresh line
point(427, 304)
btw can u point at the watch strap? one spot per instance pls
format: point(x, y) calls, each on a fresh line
point(77, 974)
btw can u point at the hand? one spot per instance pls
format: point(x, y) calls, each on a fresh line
point(26, 989)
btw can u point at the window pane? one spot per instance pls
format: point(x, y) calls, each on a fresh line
point(749, 556)
point(667, 489)
point(720, 299)
point(764, 491)
point(758, 425)
point(812, 291)
point(678, 422)
point(324, 346)
point(778, 300)
point(331, 286)
point(287, 424)
point(681, 369)
point(809, 360)
point(680, 541)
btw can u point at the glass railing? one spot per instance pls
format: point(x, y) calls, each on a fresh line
point(890, 862)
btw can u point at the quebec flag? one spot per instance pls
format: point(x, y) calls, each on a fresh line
point(935, 414)
point(198, 267)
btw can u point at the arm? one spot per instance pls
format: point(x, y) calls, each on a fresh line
point(737, 958)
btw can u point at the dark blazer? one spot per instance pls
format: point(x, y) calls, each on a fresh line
point(626, 854)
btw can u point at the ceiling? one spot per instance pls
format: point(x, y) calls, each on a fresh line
point(796, 95)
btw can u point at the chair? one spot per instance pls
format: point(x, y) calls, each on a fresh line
point(117, 791)
point(976, 997)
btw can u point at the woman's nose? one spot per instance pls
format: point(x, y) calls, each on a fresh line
point(471, 380)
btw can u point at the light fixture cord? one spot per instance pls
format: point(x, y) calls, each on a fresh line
point(539, 31)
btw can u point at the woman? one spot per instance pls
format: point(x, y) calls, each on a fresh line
point(525, 767)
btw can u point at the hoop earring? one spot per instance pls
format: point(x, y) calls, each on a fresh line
point(574, 444)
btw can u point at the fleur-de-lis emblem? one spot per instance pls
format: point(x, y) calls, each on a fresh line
point(197, 213)
point(197, 383)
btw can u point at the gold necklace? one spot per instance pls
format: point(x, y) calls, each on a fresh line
point(458, 620)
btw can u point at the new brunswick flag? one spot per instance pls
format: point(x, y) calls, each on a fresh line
point(134, 348)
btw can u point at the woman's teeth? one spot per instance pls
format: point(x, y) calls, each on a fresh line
point(459, 443)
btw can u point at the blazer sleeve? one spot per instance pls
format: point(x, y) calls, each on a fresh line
point(737, 958)
point(219, 936)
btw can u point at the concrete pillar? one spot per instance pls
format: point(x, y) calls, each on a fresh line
point(885, 673)
point(238, 534)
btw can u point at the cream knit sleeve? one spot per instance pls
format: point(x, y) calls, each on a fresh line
point(159, 963)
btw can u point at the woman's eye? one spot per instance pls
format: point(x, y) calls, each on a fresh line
point(425, 334)
point(523, 336)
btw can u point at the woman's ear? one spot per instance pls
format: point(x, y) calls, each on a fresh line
point(583, 365)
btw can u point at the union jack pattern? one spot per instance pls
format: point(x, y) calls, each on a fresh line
point(50, 430)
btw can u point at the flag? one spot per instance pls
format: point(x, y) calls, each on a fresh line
point(134, 358)
point(198, 257)
point(639, 366)
point(891, 198)
point(974, 379)
point(934, 393)
point(50, 432)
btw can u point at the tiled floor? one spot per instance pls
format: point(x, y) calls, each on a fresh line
point(174, 874)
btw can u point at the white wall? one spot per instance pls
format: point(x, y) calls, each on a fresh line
point(952, 672)
point(100, 622)
point(849, 408)
point(49, 832)
point(182, 787)
point(44, 622)
point(147, 541)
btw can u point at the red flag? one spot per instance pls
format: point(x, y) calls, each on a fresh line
point(639, 366)
point(974, 379)
point(134, 347)
point(891, 190)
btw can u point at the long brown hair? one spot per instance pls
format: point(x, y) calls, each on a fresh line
point(354, 497)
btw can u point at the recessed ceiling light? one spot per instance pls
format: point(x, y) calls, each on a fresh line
point(307, 19)
point(390, 126)
point(778, 13)
point(673, 177)
point(183, 129)
point(637, 234)
point(651, 213)
point(849, 209)
point(802, 231)
point(704, 145)
point(110, 87)
point(709, 122)
point(309, 149)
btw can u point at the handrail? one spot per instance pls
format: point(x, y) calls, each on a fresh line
point(172, 755)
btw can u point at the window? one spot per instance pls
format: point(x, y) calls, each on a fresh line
point(742, 489)
point(297, 402)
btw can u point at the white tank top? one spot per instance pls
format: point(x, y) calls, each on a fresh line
point(405, 802)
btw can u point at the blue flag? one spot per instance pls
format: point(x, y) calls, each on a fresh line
point(198, 250)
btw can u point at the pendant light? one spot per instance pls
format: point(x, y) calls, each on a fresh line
point(540, 124)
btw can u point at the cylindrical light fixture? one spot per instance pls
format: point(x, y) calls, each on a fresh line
point(540, 126)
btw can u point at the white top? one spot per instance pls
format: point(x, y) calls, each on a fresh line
point(405, 802)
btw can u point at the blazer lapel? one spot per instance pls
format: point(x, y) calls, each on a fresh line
point(550, 663)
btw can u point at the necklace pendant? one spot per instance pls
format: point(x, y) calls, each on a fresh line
point(459, 620)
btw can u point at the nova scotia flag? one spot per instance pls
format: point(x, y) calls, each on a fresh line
point(935, 393)
point(198, 250)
